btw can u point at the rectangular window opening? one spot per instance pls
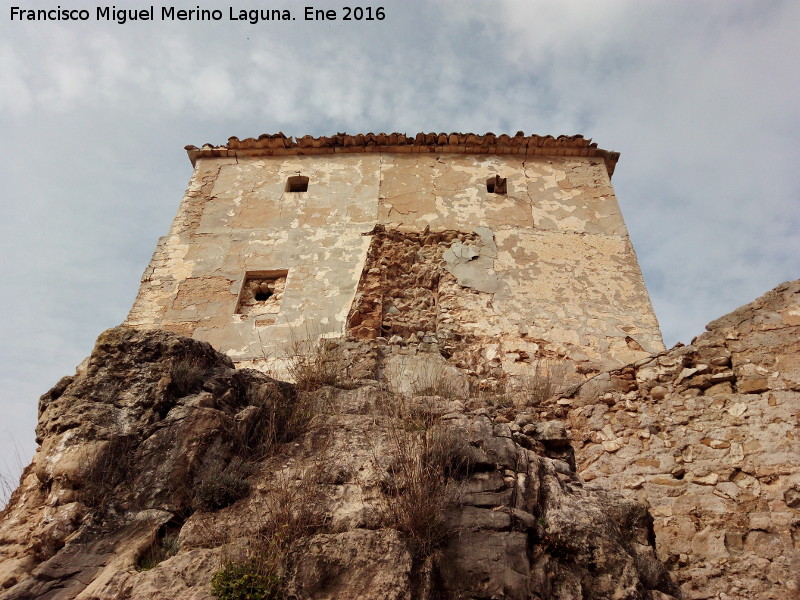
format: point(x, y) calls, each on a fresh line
point(298, 183)
point(262, 292)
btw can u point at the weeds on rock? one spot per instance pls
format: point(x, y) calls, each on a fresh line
point(113, 463)
point(425, 459)
point(186, 376)
point(313, 364)
point(258, 572)
point(250, 579)
point(414, 414)
point(424, 467)
point(414, 376)
point(159, 551)
point(497, 394)
point(432, 383)
point(278, 416)
point(292, 511)
point(224, 486)
point(545, 380)
point(500, 401)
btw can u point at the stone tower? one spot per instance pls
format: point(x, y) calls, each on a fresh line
point(490, 251)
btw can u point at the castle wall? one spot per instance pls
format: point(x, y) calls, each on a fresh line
point(706, 435)
point(545, 269)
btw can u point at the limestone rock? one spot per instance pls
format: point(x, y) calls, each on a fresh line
point(518, 504)
point(161, 414)
point(123, 444)
point(359, 564)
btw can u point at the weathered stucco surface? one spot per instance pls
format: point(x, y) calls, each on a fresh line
point(543, 270)
point(236, 218)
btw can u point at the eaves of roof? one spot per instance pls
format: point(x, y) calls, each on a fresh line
point(279, 144)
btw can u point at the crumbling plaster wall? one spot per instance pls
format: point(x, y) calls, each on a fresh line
point(238, 218)
point(547, 268)
point(553, 258)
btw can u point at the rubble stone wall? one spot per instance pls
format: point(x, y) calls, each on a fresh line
point(707, 435)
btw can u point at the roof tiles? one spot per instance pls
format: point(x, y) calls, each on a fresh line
point(278, 144)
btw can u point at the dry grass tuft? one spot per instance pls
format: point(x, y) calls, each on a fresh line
point(411, 413)
point(115, 462)
point(276, 416)
point(279, 415)
point(10, 477)
point(425, 466)
point(313, 364)
point(433, 384)
point(430, 378)
point(186, 377)
point(545, 379)
point(223, 486)
point(7, 487)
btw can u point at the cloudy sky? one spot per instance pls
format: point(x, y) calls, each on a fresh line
point(701, 99)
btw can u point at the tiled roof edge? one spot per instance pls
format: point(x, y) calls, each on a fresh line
point(458, 143)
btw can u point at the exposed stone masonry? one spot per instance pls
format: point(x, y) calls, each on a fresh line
point(707, 435)
point(411, 299)
point(398, 294)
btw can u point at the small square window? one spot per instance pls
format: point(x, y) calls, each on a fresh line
point(298, 183)
point(496, 185)
point(262, 292)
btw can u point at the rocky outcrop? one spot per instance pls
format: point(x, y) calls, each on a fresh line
point(165, 473)
point(707, 435)
point(123, 443)
point(530, 528)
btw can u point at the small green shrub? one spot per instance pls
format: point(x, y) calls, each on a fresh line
point(246, 579)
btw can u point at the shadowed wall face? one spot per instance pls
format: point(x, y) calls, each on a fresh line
point(511, 258)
